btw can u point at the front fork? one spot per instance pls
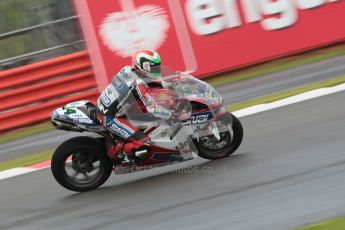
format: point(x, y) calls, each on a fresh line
point(223, 115)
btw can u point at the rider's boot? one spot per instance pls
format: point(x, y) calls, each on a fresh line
point(138, 146)
point(115, 152)
point(134, 149)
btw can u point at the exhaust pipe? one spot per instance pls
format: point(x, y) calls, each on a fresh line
point(66, 126)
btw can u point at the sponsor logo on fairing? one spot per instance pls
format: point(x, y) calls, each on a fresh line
point(161, 113)
point(61, 117)
point(83, 121)
point(209, 101)
point(76, 116)
point(197, 118)
point(167, 156)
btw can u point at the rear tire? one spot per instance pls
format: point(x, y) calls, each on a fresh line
point(81, 156)
point(234, 141)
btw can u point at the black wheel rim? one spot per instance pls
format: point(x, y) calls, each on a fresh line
point(212, 144)
point(83, 168)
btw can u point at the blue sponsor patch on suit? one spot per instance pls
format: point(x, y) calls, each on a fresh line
point(117, 127)
point(120, 86)
point(105, 99)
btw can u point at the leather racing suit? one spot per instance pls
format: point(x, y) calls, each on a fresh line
point(126, 89)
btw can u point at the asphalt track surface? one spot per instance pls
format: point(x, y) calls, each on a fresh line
point(289, 171)
point(239, 91)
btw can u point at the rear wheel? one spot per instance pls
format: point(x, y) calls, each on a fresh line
point(230, 138)
point(81, 164)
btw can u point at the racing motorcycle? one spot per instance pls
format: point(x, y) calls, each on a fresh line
point(206, 130)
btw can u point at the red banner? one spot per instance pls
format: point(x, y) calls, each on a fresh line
point(205, 36)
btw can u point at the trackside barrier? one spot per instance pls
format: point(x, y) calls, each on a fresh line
point(29, 93)
point(206, 37)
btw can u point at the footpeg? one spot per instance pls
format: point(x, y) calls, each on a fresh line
point(141, 153)
point(120, 156)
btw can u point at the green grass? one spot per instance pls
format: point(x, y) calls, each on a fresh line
point(25, 132)
point(337, 223)
point(285, 94)
point(278, 65)
point(27, 160)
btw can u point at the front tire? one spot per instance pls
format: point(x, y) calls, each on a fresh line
point(233, 139)
point(81, 164)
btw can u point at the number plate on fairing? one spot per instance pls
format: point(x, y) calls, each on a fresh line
point(70, 113)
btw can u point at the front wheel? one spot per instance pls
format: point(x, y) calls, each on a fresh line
point(81, 164)
point(230, 138)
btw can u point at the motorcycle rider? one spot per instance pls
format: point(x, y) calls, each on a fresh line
point(114, 100)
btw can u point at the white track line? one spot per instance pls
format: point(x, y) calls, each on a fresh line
point(239, 113)
point(15, 172)
point(289, 100)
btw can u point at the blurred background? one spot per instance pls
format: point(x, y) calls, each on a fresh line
point(58, 51)
point(35, 30)
point(289, 170)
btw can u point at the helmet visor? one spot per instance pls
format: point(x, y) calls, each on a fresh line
point(156, 71)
